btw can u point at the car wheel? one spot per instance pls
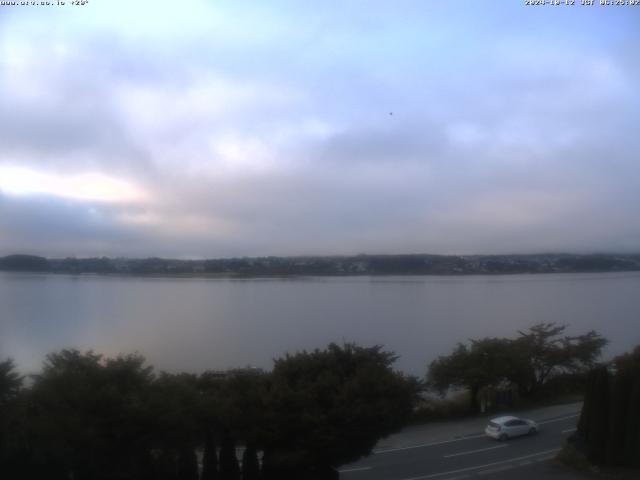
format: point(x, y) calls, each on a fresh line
point(503, 437)
point(533, 431)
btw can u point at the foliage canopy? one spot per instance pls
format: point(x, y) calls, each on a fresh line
point(527, 361)
point(94, 418)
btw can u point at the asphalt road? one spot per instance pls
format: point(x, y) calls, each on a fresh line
point(468, 457)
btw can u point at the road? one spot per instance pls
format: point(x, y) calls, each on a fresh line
point(470, 456)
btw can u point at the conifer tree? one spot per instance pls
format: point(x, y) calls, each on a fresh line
point(187, 464)
point(618, 410)
point(229, 468)
point(632, 438)
point(210, 458)
point(250, 464)
point(166, 466)
point(599, 418)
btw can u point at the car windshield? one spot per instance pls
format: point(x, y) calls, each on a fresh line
point(494, 425)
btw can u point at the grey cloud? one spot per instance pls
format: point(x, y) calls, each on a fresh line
point(50, 225)
point(63, 116)
point(391, 140)
point(491, 148)
point(55, 134)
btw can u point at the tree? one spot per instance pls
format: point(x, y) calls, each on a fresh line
point(486, 362)
point(528, 361)
point(242, 404)
point(88, 416)
point(209, 458)
point(631, 446)
point(609, 427)
point(174, 413)
point(598, 422)
point(187, 463)
point(229, 468)
point(548, 353)
point(329, 407)
point(250, 463)
point(623, 420)
point(242, 409)
point(10, 428)
point(10, 381)
point(628, 369)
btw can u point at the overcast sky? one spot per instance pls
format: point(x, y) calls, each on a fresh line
point(212, 128)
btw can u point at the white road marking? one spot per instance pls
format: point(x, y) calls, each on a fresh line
point(568, 430)
point(356, 469)
point(432, 444)
point(433, 475)
point(495, 470)
point(468, 452)
point(559, 419)
point(544, 459)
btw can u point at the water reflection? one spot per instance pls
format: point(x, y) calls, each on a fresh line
point(196, 324)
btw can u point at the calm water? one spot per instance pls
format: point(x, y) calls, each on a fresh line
point(195, 324)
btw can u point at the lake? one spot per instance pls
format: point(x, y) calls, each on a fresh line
point(193, 324)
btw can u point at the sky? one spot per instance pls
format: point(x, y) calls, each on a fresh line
point(215, 128)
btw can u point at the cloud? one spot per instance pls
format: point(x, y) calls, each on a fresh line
point(59, 227)
point(283, 130)
point(90, 186)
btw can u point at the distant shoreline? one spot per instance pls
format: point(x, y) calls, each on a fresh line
point(328, 266)
point(296, 276)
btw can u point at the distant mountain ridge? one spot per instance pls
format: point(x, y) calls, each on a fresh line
point(414, 264)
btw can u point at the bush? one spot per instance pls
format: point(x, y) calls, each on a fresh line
point(454, 406)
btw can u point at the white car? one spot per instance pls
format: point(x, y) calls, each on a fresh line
point(503, 428)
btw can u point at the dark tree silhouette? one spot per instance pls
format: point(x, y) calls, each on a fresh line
point(632, 438)
point(485, 362)
point(618, 414)
point(229, 468)
point(599, 420)
point(88, 417)
point(167, 465)
point(250, 463)
point(10, 381)
point(609, 427)
point(235, 402)
point(210, 458)
point(187, 464)
point(329, 407)
point(11, 428)
point(528, 361)
point(548, 352)
point(628, 367)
